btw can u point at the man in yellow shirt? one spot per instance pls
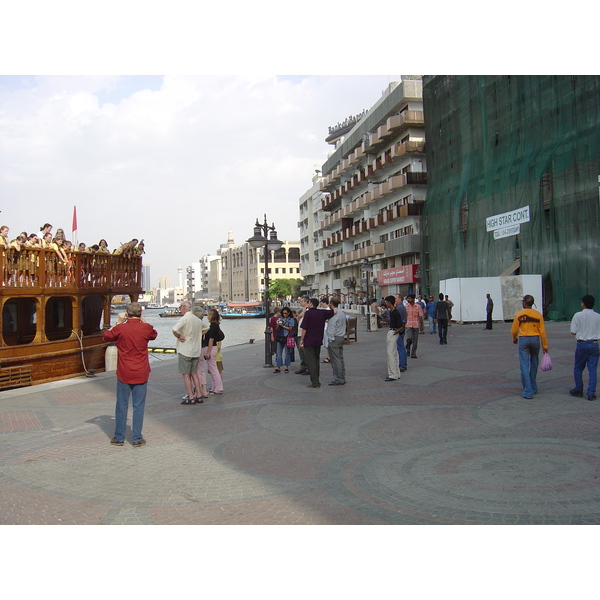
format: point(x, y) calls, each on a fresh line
point(529, 332)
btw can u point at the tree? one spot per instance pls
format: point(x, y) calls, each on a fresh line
point(282, 288)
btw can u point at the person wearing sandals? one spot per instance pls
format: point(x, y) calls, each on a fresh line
point(209, 353)
point(131, 335)
point(188, 331)
point(285, 329)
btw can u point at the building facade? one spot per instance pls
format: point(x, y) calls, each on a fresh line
point(197, 279)
point(514, 174)
point(373, 188)
point(243, 269)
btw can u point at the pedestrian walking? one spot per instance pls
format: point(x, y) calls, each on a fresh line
point(442, 316)
point(529, 332)
point(430, 310)
point(585, 326)
point(489, 309)
point(414, 325)
point(131, 335)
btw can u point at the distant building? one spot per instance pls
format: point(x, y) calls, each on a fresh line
point(197, 279)
point(146, 283)
point(243, 273)
point(164, 282)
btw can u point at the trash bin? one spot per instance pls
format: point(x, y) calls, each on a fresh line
point(110, 358)
point(373, 321)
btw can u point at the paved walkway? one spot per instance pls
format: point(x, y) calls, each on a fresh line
point(452, 442)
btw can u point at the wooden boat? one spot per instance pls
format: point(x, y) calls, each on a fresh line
point(243, 310)
point(53, 314)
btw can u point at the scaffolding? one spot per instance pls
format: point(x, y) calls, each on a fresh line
point(500, 143)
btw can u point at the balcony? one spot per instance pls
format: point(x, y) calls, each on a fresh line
point(409, 147)
point(409, 118)
point(357, 255)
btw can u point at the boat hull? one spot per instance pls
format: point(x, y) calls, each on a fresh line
point(242, 316)
point(33, 364)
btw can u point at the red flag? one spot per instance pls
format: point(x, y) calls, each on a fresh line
point(74, 227)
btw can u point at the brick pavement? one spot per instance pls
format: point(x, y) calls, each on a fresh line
point(452, 442)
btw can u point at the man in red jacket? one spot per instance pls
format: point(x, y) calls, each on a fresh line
point(131, 335)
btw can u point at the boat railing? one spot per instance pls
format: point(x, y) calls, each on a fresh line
point(41, 268)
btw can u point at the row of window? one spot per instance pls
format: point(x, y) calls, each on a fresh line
point(20, 318)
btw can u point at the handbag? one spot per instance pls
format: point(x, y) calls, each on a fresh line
point(290, 342)
point(546, 363)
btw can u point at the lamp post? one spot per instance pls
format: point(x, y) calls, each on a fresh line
point(367, 267)
point(270, 243)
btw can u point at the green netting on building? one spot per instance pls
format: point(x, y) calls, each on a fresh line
point(499, 143)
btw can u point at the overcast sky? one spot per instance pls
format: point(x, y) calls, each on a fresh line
point(176, 160)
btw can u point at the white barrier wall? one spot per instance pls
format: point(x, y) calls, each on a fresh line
point(469, 296)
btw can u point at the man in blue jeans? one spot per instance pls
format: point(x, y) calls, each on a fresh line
point(402, 359)
point(131, 335)
point(585, 326)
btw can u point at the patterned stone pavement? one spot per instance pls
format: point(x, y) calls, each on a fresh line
point(452, 442)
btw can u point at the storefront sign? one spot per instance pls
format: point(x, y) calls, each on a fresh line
point(508, 219)
point(405, 274)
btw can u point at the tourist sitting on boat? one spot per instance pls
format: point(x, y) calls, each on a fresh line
point(93, 249)
point(139, 249)
point(103, 247)
point(60, 234)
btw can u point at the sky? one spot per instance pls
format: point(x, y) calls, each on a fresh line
point(178, 161)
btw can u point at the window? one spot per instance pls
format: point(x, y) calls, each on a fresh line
point(91, 314)
point(19, 321)
point(59, 318)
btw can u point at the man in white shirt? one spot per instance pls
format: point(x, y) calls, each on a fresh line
point(336, 332)
point(585, 326)
point(188, 331)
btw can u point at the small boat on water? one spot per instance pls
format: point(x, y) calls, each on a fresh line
point(243, 310)
point(53, 314)
point(172, 311)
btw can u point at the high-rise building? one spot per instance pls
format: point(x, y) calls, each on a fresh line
point(361, 228)
point(146, 278)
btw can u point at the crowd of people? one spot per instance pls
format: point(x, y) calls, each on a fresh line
point(323, 323)
point(62, 246)
point(22, 259)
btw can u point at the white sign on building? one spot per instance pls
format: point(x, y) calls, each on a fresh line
point(507, 231)
point(508, 220)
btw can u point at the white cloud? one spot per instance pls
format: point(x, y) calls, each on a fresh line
point(178, 161)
